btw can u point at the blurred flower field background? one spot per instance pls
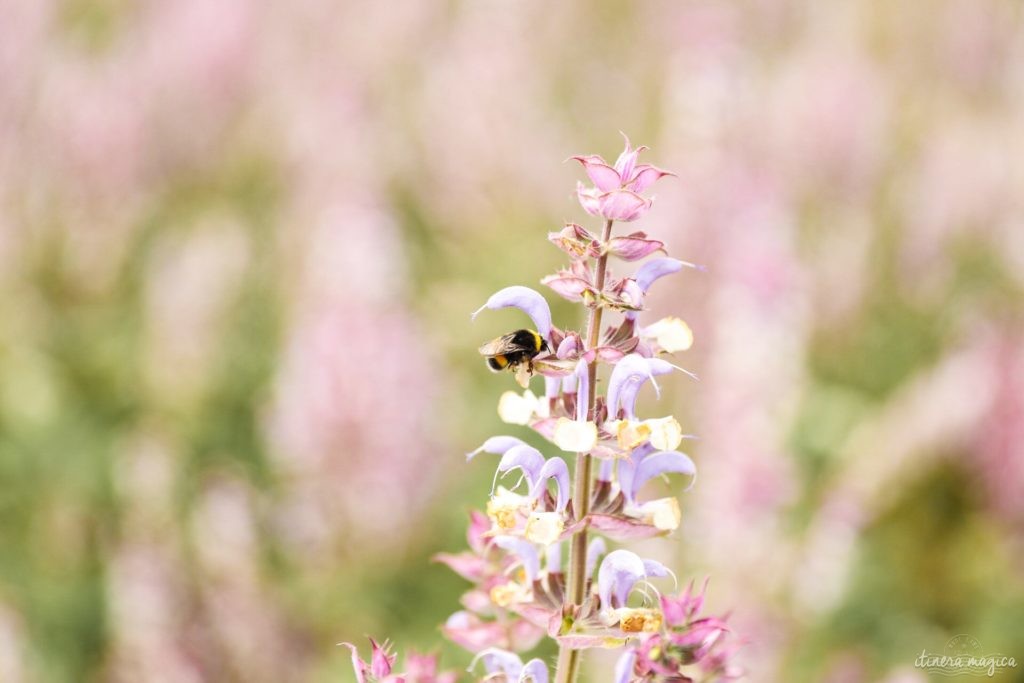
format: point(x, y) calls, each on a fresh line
point(239, 246)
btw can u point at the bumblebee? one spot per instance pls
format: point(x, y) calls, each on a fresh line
point(514, 351)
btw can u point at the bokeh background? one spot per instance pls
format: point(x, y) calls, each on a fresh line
point(239, 245)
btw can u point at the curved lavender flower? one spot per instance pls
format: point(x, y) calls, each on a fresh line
point(496, 445)
point(523, 551)
point(624, 666)
point(595, 551)
point(629, 375)
point(509, 664)
point(637, 471)
point(620, 571)
point(556, 469)
point(525, 299)
point(656, 269)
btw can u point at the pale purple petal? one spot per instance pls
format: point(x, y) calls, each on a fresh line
point(628, 468)
point(568, 287)
point(605, 473)
point(634, 247)
point(525, 551)
point(657, 268)
point(619, 572)
point(552, 385)
point(627, 160)
point(526, 458)
point(556, 469)
point(631, 384)
point(595, 551)
point(662, 463)
point(497, 660)
point(645, 175)
point(526, 300)
point(621, 528)
point(569, 384)
point(583, 391)
point(590, 199)
point(624, 667)
point(622, 205)
point(629, 374)
point(569, 347)
point(535, 671)
point(656, 570)
point(553, 558)
point(469, 631)
point(601, 174)
point(496, 445)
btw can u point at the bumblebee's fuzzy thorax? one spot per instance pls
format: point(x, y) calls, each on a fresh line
point(514, 351)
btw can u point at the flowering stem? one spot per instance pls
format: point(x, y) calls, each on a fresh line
point(568, 658)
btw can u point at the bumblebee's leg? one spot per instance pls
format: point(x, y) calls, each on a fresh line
point(523, 372)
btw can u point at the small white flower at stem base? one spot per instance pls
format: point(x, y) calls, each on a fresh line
point(575, 436)
point(506, 594)
point(519, 410)
point(671, 334)
point(628, 433)
point(666, 433)
point(663, 514)
point(544, 528)
point(637, 619)
point(503, 508)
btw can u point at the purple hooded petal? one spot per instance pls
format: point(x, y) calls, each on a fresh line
point(535, 671)
point(619, 572)
point(582, 390)
point(627, 377)
point(569, 347)
point(631, 379)
point(622, 205)
point(526, 458)
point(657, 268)
point(556, 469)
point(553, 558)
point(524, 550)
point(624, 667)
point(496, 445)
point(595, 551)
point(499, 661)
point(525, 299)
point(634, 247)
point(662, 463)
point(628, 468)
point(600, 173)
point(656, 570)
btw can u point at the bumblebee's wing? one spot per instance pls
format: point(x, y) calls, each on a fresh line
point(503, 345)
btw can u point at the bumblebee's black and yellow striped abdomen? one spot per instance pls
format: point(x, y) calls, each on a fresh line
point(513, 350)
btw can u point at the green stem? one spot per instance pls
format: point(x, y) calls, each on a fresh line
point(568, 659)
